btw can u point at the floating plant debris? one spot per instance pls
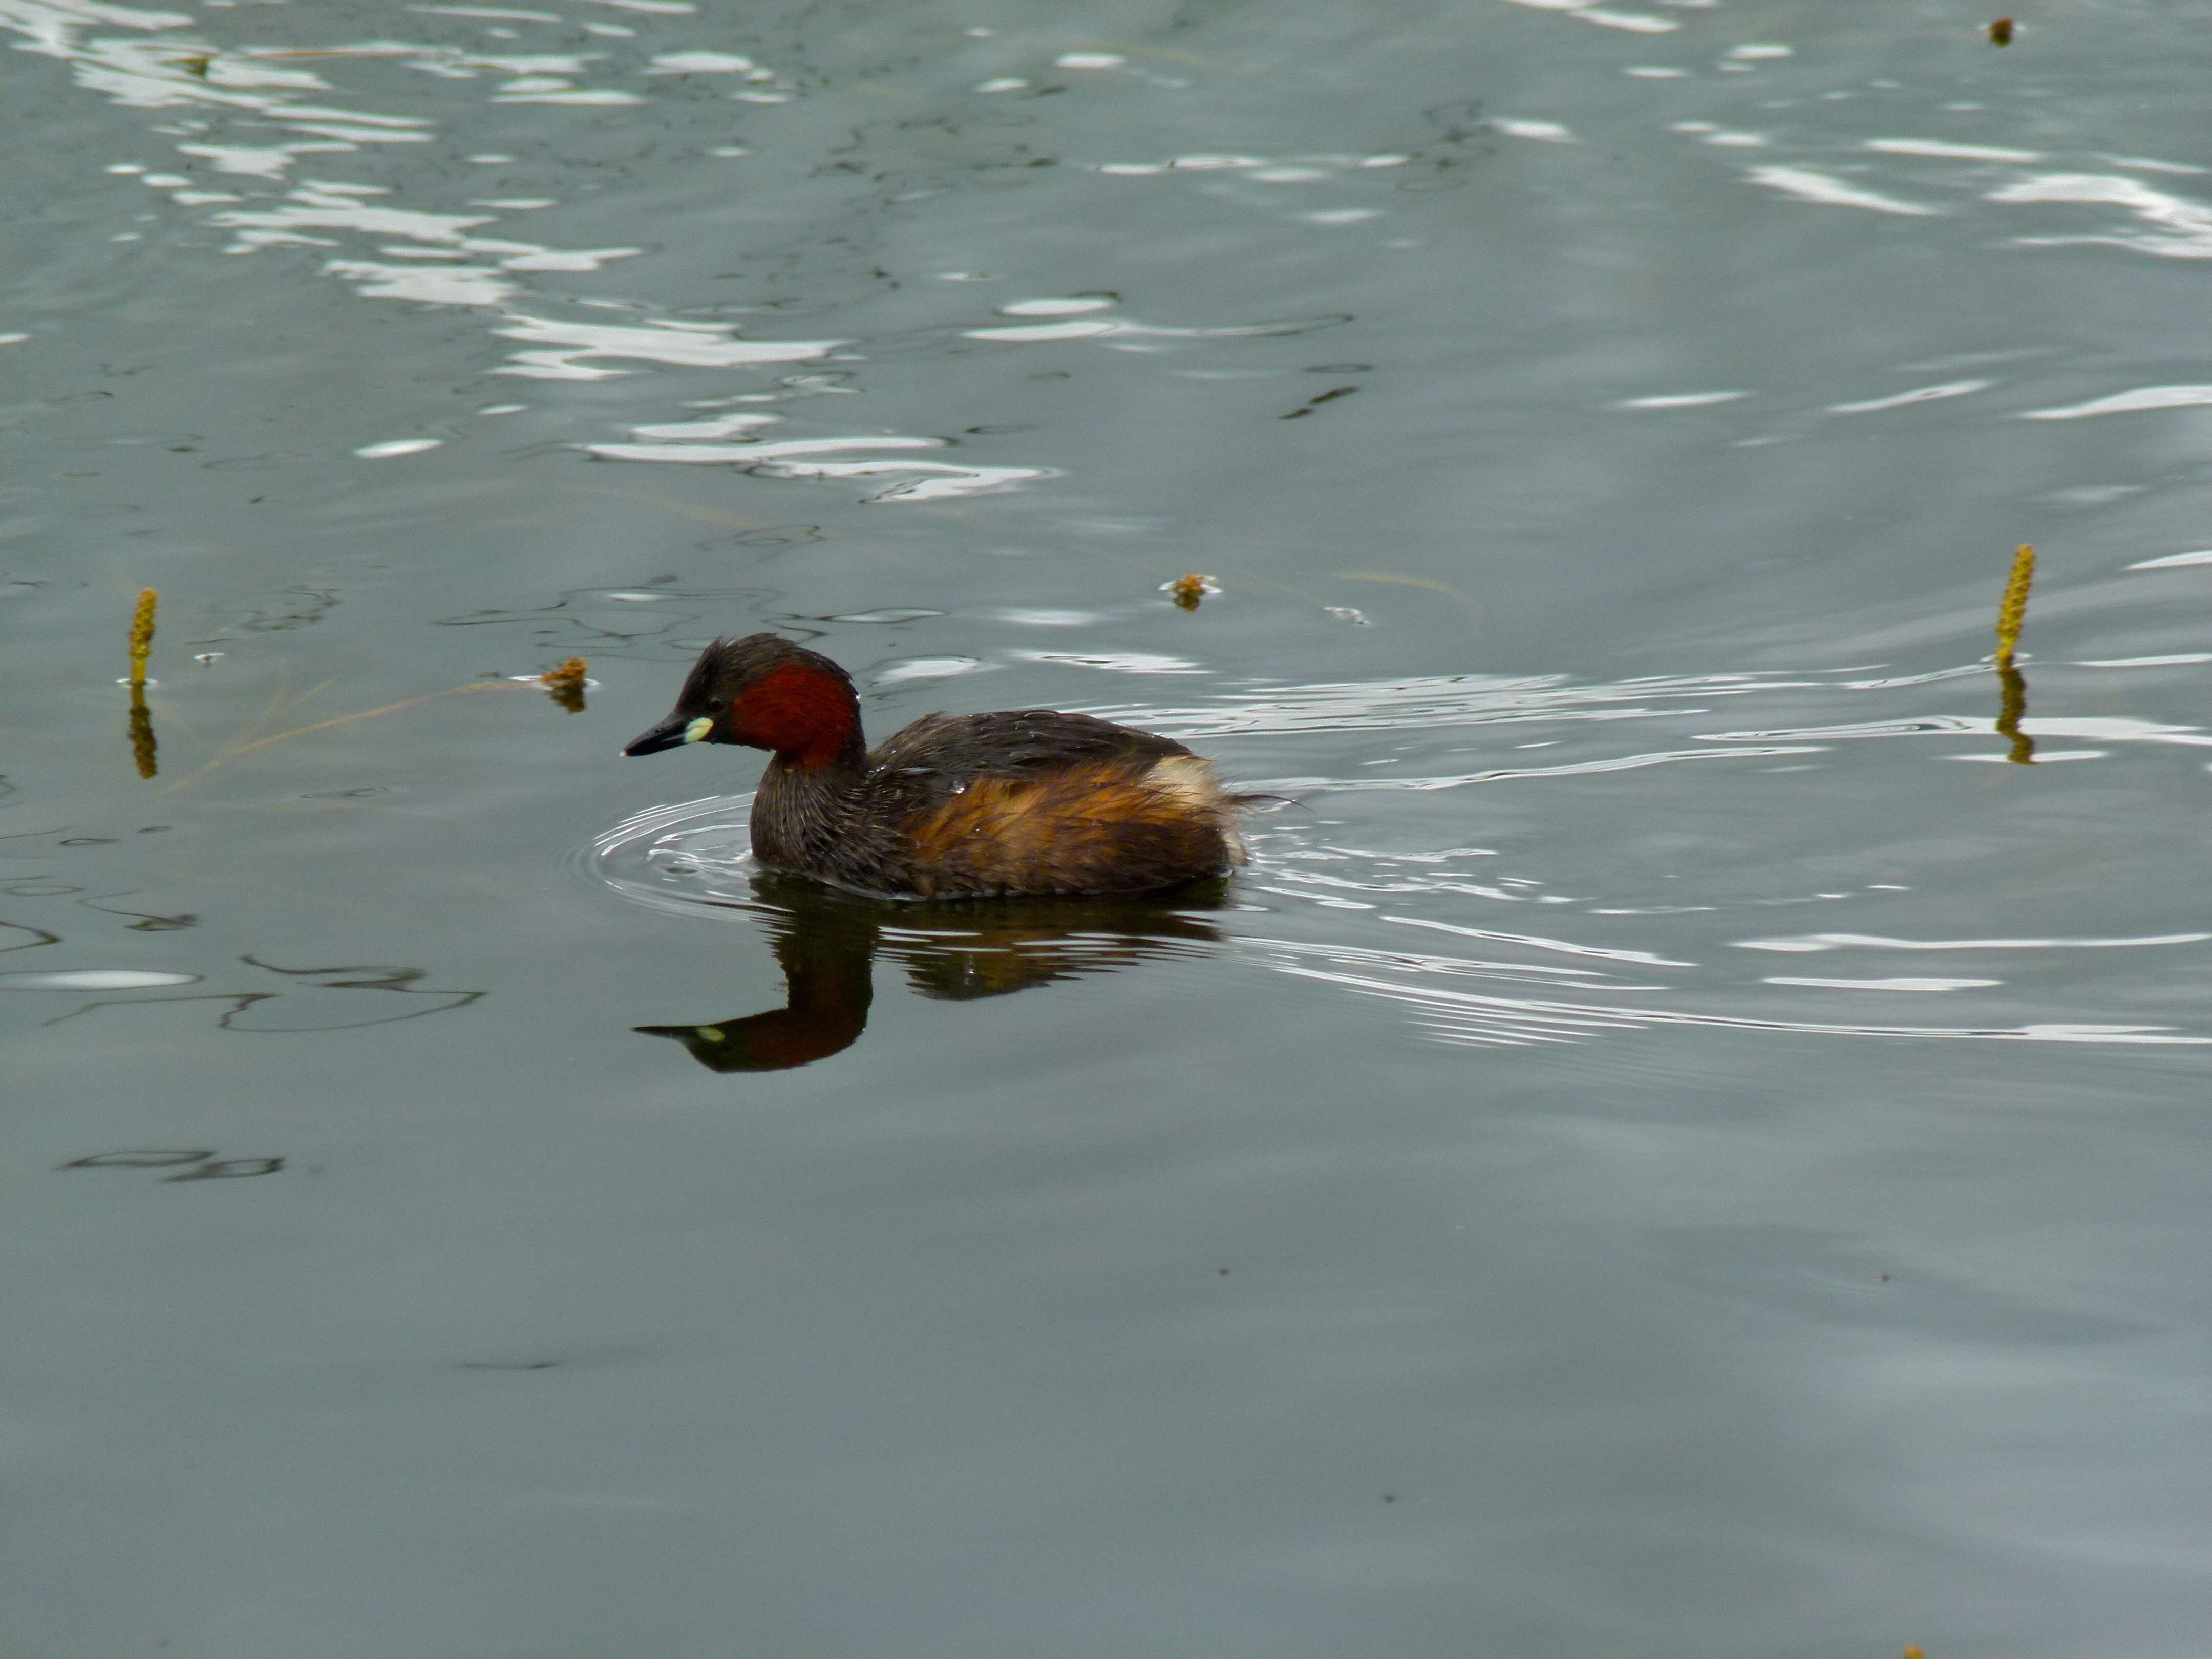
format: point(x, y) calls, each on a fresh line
point(565, 682)
point(1190, 589)
point(2000, 36)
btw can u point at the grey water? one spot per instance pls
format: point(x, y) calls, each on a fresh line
point(1689, 1137)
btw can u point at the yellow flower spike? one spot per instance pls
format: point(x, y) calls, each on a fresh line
point(142, 637)
point(2013, 611)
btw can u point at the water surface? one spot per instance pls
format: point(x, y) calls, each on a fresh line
point(1687, 1137)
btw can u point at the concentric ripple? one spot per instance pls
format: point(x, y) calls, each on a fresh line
point(1344, 892)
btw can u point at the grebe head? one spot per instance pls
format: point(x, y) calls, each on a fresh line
point(768, 693)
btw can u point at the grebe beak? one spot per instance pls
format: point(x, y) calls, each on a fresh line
point(671, 733)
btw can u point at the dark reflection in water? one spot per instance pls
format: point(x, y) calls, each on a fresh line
point(148, 921)
point(293, 1010)
point(198, 1164)
point(2012, 709)
point(828, 941)
point(144, 751)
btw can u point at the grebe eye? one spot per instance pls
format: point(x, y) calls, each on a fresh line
point(697, 731)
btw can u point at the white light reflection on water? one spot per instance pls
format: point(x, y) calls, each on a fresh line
point(1476, 700)
point(797, 458)
point(1899, 982)
point(141, 58)
point(1637, 23)
point(1926, 394)
point(1466, 1017)
point(1436, 700)
point(578, 349)
point(1116, 662)
point(1570, 769)
point(2174, 560)
point(1809, 186)
point(1068, 326)
point(1681, 400)
point(1943, 149)
point(1543, 131)
point(95, 978)
point(2127, 403)
point(2181, 228)
point(1816, 942)
point(1310, 168)
point(445, 258)
point(2105, 728)
point(2168, 225)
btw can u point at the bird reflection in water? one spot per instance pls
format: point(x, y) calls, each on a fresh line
point(828, 941)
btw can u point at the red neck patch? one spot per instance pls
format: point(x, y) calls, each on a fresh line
point(806, 716)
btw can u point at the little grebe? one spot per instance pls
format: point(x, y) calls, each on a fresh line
point(955, 806)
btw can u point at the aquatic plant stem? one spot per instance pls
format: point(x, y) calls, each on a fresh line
point(365, 714)
point(2013, 611)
